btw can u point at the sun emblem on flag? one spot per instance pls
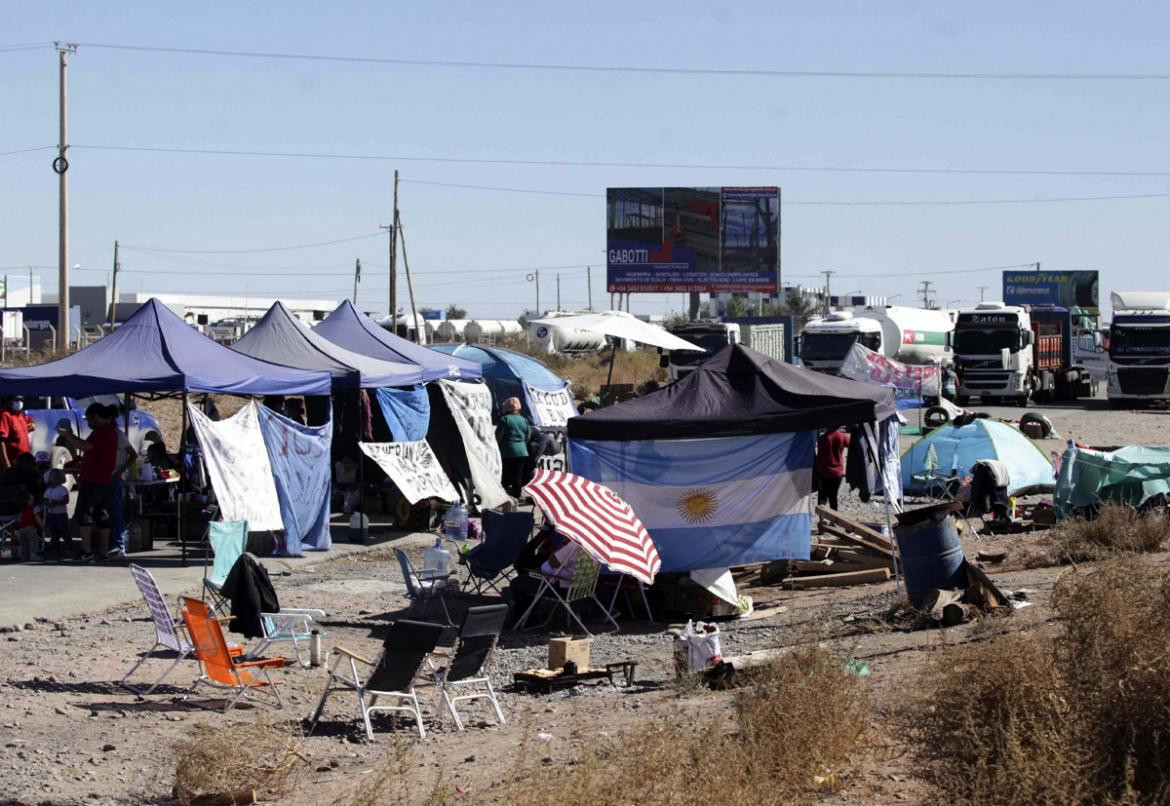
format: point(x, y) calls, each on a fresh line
point(698, 505)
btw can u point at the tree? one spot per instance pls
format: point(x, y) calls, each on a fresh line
point(455, 312)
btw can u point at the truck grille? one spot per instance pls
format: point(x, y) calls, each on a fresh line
point(1142, 381)
point(995, 381)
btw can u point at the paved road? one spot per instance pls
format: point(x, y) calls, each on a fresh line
point(57, 590)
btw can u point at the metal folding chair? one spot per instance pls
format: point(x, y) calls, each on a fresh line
point(582, 587)
point(226, 539)
point(424, 586)
point(477, 638)
point(166, 632)
point(221, 669)
point(505, 536)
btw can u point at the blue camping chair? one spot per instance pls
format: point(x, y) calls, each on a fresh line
point(424, 586)
point(505, 534)
point(292, 624)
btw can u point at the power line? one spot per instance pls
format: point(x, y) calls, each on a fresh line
point(26, 150)
point(250, 251)
point(604, 164)
point(646, 69)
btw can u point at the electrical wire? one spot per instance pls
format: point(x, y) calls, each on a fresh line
point(645, 69)
point(251, 251)
point(26, 150)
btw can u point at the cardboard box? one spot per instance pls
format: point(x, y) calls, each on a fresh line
point(563, 650)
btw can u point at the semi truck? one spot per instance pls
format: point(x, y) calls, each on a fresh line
point(1139, 348)
point(909, 335)
point(770, 335)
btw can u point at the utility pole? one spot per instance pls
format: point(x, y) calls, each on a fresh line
point(1037, 265)
point(114, 289)
point(357, 278)
point(61, 166)
point(537, 274)
point(558, 291)
point(394, 261)
point(589, 284)
point(925, 290)
point(409, 284)
point(828, 291)
point(981, 288)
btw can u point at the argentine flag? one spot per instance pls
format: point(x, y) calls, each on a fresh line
point(711, 503)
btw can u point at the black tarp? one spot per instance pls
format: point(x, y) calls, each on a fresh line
point(738, 392)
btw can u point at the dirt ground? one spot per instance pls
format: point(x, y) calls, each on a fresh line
point(69, 734)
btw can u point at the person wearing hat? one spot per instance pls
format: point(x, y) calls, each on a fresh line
point(15, 426)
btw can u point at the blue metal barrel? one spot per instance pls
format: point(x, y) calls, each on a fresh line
point(930, 551)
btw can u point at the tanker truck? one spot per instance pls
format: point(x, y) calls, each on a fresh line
point(558, 340)
point(909, 335)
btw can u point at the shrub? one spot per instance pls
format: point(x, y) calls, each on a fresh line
point(1114, 529)
point(217, 760)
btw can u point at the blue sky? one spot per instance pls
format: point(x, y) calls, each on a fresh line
point(476, 247)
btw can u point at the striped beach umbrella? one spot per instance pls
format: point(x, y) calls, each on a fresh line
point(597, 519)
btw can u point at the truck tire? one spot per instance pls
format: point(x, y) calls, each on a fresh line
point(935, 417)
point(962, 400)
point(1044, 422)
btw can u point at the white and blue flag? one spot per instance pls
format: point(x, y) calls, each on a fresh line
point(711, 503)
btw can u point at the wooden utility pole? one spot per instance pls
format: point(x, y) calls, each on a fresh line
point(537, 273)
point(589, 284)
point(357, 278)
point(828, 292)
point(558, 291)
point(61, 166)
point(409, 284)
point(114, 289)
point(394, 262)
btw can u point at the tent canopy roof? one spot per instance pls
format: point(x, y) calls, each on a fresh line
point(502, 364)
point(958, 448)
point(621, 325)
point(350, 328)
point(156, 351)
point(281, 337)
point(738, 392)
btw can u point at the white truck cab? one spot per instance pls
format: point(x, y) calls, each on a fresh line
point(1139, 347)
point(993, 353)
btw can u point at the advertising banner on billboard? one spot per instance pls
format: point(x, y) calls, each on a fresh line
point(1068, 289)
point(692, 239)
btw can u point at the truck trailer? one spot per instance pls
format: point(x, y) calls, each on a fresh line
point(909, 335)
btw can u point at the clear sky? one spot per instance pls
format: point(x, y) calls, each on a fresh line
point(475, 247)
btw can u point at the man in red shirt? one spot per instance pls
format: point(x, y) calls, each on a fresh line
point(829, 466)
point(98, 461)
point(14, 430)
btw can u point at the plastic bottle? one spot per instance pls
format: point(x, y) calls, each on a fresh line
point(437, 558)
point(455, 522)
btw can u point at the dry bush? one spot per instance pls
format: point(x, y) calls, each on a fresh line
point(1115, 528)
point(1078, 715)
point(791, 733)
point(215, 760)
point(391, 782)
point(588, 373)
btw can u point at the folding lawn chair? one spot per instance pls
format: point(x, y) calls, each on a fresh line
point(227, 540)
point(423, 586)
point(403, 652)
point(582, 586)
point(220, 668)
point(625, 585)
point(477, 638)
point(505, 534)
point(166, 633)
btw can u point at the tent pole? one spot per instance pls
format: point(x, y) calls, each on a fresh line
point(182, 484)
point(612, 357)
point(879, 465)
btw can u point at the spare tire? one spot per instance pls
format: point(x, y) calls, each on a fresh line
point(936, 416)
point(1044, 423)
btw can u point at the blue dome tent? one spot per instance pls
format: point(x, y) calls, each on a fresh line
point(951, 450)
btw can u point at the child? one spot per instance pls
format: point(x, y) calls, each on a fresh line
point(29, 530)
point(56, 508)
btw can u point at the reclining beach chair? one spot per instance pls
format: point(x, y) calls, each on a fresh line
point(403, 652)
point(505, 534)
point(477, 638)
point(227, 539)
point(582, 587)
point(221, 669)
point(166, 633)
point(424, 586)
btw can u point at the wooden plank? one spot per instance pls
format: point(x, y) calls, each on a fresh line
point(860, 541)
point(859, 529)
point(839, 580)
point(810, 566)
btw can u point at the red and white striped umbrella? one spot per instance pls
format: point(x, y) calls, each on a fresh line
point(598, 520)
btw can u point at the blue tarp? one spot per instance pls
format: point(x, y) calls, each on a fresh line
point(350, 328)
point(506, 372)
point(299, 456)
point(281, 337)
point(156, 351)
point(407, 412)
point(957, 449)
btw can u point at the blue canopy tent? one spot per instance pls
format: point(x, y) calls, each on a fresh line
point(282, 338)
point(156, 352)
point(950, 451)
point(350, 328)
point(508, 374)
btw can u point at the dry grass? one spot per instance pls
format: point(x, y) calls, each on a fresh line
point(1114, 529)
point(791, 735)
point(1077, 715)
point(392, 782)
point(588, 373)
point(214, 760)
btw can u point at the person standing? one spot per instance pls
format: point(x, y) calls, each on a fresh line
point(15, 427)
point(829, 466)
point(117, 503)
point(513, 433)
point(98, 461)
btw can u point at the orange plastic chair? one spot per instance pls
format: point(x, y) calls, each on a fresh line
point(222, 669)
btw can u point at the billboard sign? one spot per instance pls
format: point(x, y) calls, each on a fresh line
point(722, 239)
point(1068, 289)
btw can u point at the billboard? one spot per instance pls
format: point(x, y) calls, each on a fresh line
point(1068, 289)
point(692, 239)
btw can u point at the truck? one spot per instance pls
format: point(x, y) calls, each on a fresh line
point(908, 335)
point(1139, 348)
point(47, 412)
point(770, 335)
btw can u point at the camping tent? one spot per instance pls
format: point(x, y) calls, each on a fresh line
point(281, 337)
point(1130, 475)
point(957, 448)
point(156, 351)
point(350, 328)
point(719, 465)
point(544, 395)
